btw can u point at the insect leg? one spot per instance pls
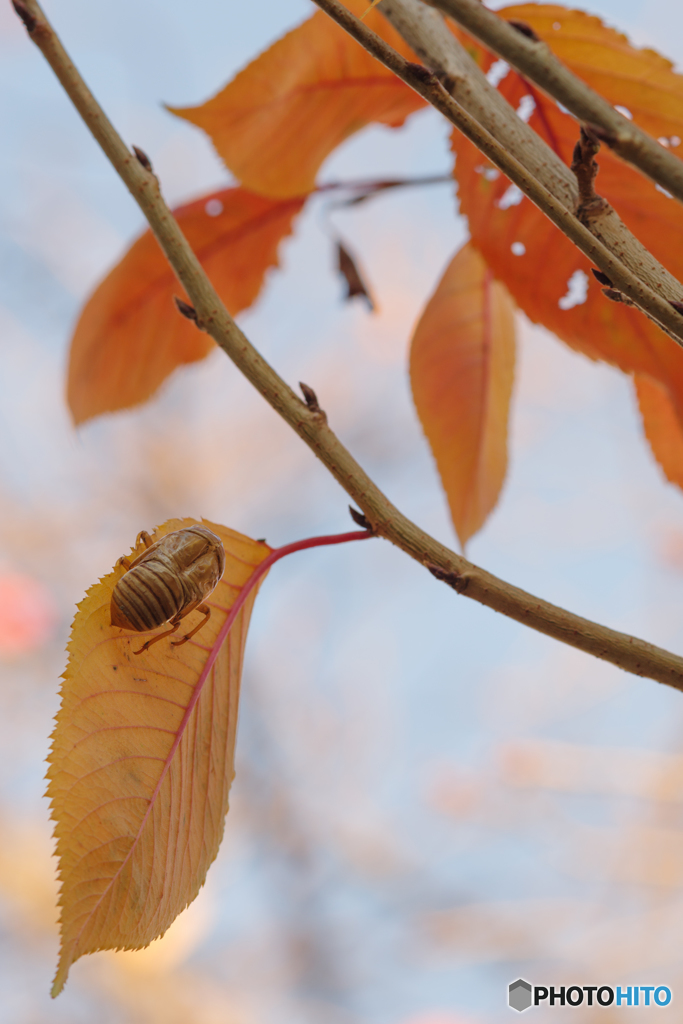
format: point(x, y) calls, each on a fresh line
point(206, 612)
point(160, 636)
point(126, 562)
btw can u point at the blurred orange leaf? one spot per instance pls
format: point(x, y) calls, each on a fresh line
point(461, 368)
point(130, 336)
point(141, 763)
point(662, 426)
point(277, 121)
point(547, 277)
point(27, 614)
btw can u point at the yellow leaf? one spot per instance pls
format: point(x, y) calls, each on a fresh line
point(142, 762)
point(277, 121)
point(461, 368)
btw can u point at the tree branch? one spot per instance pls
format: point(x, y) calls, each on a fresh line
point(425, 31)
point(536, 61)
point(627, 652)
point(370, 187)
point(583, 235)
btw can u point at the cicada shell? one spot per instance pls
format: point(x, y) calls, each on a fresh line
point(168, 581)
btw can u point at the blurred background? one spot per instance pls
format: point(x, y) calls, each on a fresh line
point(430, 800)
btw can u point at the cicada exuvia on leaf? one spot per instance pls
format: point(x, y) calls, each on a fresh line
point(170, 579)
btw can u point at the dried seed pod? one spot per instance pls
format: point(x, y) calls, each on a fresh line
point(167, 582)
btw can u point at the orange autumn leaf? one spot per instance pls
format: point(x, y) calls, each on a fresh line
point(545, 274)
point(142, 761)
point(281, 116)
point(461, 369)
point(661, 426)
point(130, 336)
point(641, 80)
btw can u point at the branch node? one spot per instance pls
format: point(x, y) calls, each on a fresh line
point(360, 520)
point(420, 72)
point(456, 580)
point(25, 15)
point(524, 29)
point(143, 159)
point(186, 309)
point(585, 168)
point(616, 296)
point(605, 135)
point(449, 82)
point(678, 306)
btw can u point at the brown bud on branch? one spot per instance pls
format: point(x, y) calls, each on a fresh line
point(602, 278)
point(25, 15)
point(143, 159)
point(453, 579)
point(526, 30)
point(310, 397)
point(186, 309)
point(360, 519)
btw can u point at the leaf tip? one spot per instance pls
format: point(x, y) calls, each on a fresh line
point(178, 111)
point(80, 402)
point(77, 419)
point(60, 977)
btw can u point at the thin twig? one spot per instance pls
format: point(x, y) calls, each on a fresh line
point(536, 61)
point(374, 186)
point(428, 86)
point(383, 518)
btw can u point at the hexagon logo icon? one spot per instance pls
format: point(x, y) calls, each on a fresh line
point(519, 995)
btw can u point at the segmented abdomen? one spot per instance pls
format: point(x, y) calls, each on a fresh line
point(149, 595)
